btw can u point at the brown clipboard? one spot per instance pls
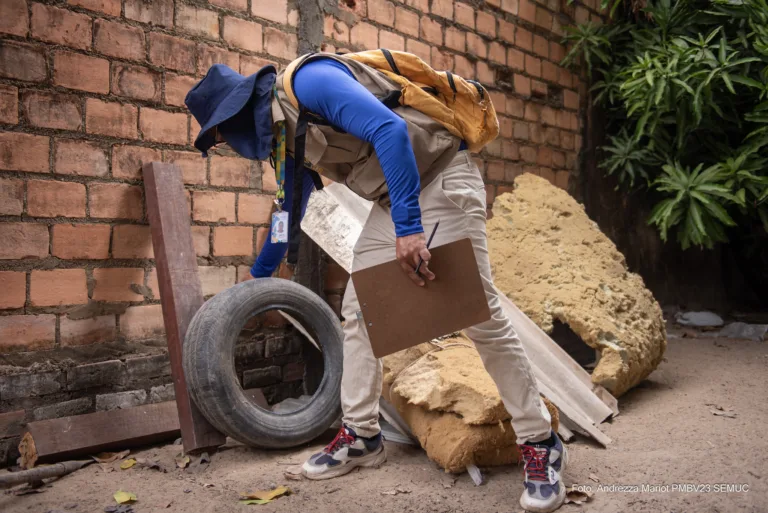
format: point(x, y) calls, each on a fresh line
point(399, 314)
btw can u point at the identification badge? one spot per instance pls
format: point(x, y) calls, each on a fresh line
point(280, 227)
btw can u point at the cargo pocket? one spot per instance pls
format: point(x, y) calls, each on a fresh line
point(462, 185)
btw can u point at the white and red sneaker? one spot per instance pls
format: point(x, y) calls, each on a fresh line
point(347, 452)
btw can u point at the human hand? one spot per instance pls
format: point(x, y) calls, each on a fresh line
point(408, 249)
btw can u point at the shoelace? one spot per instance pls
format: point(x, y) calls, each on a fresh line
point(343, 437)
point(536, 459)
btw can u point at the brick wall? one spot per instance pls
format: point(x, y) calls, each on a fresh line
point(91, 89)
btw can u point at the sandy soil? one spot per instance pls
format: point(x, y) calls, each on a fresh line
point(665, 435)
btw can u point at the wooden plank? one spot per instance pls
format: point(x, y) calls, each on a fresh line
point(562, 371)
point(181, 294)
point(67, 437)
point(11, 423)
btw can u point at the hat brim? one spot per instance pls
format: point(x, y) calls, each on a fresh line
point(229, 107)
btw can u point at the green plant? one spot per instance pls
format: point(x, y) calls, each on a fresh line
point(684, 85)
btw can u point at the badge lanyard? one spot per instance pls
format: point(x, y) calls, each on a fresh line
point(280, 218)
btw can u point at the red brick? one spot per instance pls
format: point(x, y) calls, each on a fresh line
point(520, 131)
point(165, 127)
point(547, 174)
point(132, 241)
point(52, 110)
point(61, 26)
point(532, 111)
point(419, 49)
point(232, 241)
point(516, 59)
point(338, 30)
point(293, 18)
point(215, 279)
point(497, 98)
point(250, 64)
point(268, 182)
point(497, 53)
point(549, 116)
point(23, 240)
point(235, 5)
point(128, 160)
point(192, 165)
point(81, 158)
point(527, 11)
point(465, 14)
point(58, 287)
point(114, 284)
point(27, 332)
point(442, 60)
point(14, 287)
point(208, 55)
point(142, 322)
point(486, 23)
point(431, 30)
point(545, 158)
point(485, 73)
point(511, 6)
point(254, 208)
point(13, 17)
point(507, 31)
point(80, 241)
point(49, 198)
point(115, 201)
point(119, 40)
point(11, 197)
point(194, 129)
point(280, 44)
point(382, 11)
point(456, 39)
point(558, 159)
point(111, 7)
point(537, 132)
point(22, 62)
point(87, 331)
point(570, 99)
point(261, 238)
point(566, 78)
point(176, 88)
point(528, 154)
point(562, 119)
point(562, 178)
point(524, 39)
point(443, 8)
point(136, 82)
point(365, 35)
point(76, 71)
point(505, 127)
point(574, 121)
point(272, 10)
point(213, 207)
point(9, 104)
point(200, 22)
point(543, 18)
point(407, 22)
point(156, 12)
point(24, 152)
point(495, 170)
point(476, 46)
point(391, 41)
point(110, 118)
point(522, 85)
point(533, 66)
point(490, 195)
point(172, 52)
point(549, 71)
point(243, 34)
point(512, 171)
point(200, 239)
point(464, 67)
point(582, 15)
point(230, 171)
point(556, 51)
point(510, 150)
point(540, 46)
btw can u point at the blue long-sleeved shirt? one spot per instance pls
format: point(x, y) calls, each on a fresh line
point(327, 88)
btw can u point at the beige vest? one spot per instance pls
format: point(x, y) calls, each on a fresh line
point(346, 159)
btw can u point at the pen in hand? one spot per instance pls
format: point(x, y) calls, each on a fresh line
point(429, 242)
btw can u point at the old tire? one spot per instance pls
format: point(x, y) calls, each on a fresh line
point(210, 372)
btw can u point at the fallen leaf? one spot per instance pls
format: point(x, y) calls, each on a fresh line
point(182, 461)
point(396, 491)
point(577, 495)
point(145, 463)
point(594, 478)
point(254, 501)
point(208, 485)
point(266, 495)
point(333, 490)
point(128, 464)
point(720, 413)
point(293, 476)
point(109, 457)
point(122, 497)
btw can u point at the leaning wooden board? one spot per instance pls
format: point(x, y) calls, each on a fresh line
point(334, 219)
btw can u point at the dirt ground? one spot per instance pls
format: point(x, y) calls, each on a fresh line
point(664, 436)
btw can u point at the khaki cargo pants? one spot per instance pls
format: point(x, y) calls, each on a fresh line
point(456, 198)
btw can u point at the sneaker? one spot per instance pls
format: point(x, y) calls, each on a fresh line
point(544, 489)
point(344, 454)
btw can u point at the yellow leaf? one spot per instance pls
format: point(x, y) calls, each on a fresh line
point(125, 497)
point(128, 464)
point(182, 461)
point(109, 457)
point(267, 495)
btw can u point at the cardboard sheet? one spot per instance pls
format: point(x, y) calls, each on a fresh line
point(399, 314)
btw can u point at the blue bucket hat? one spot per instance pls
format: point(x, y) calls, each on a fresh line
point(239, 106)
